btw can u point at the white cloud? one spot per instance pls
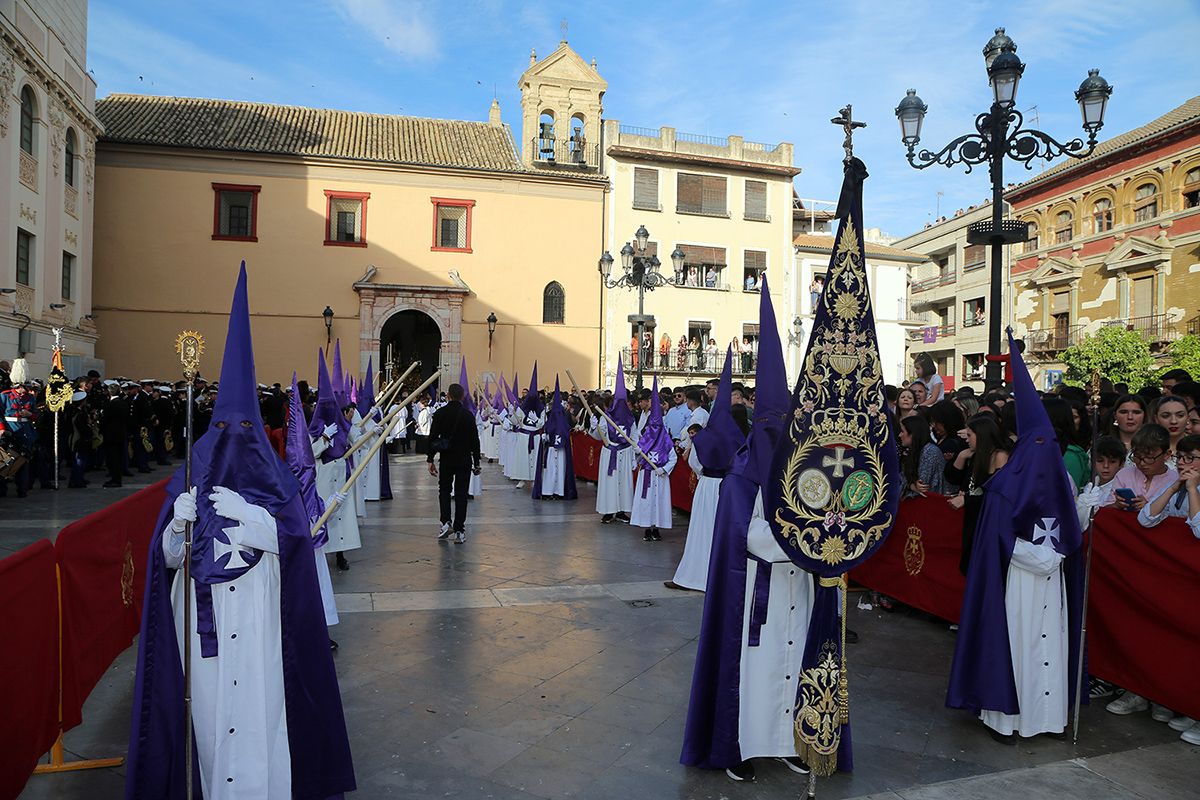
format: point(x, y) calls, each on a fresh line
point(402, 26)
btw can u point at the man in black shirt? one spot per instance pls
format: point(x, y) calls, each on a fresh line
point(453, 433)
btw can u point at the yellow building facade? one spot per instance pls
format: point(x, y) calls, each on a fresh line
point(413, 232)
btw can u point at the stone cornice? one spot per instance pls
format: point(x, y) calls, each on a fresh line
point(692, 159)
point(50, 82)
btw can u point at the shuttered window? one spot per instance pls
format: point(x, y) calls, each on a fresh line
point(701, 194)
point(645, 189)
point(703, 267)
point(1143, 297)
point(1061, 303)
point(974, 256)
point(756, 201)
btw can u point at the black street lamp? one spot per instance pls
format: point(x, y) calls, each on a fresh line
point(491, 323)
point(328, 315)
point(999, 133)
point(640, 271)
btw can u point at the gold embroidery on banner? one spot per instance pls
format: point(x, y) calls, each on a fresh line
point(693, 481)
point(591, 457)
point(914, 551)
point(127, 576)
point(818, 717)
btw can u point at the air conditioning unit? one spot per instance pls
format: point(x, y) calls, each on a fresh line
point(26, 341)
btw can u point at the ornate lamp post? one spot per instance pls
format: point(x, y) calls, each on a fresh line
point(491, 323)
point(328, 315)
point(999, 133)
point(640, 271)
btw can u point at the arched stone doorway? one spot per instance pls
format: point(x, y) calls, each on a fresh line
point(409, 336)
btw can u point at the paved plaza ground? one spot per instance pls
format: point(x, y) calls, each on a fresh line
point(545, 659)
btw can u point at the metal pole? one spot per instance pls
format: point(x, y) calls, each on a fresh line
point(641, 328)
point(187, 598)
point(995, 373)
point(56, 415)
point(1087, 569)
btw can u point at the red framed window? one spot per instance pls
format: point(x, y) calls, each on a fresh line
point(452, 224)
point(346, 218)
point(235, 212)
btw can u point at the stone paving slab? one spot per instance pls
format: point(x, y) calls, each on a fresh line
point(545, 659)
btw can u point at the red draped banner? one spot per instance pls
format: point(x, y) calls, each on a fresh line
point(589, 459)
point(1143, 632)
point(103, 563)
point(29, 668)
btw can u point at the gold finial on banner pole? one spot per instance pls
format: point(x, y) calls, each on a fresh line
point(190, 346)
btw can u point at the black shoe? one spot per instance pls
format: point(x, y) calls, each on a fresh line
point(646, 537)
point(621, 515)
point(333, 645)
point(342, 563)
point(112, 484)
point(606, 519)
point(851, 637)
point(743, 772)
point(657, 536)
point(795, 764)
point(1000, 738)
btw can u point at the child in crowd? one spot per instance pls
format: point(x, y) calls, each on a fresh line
point(1149, 474)
point(1160, 492)
point(1109, 455)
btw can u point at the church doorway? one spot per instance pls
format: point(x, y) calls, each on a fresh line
point(409, 336)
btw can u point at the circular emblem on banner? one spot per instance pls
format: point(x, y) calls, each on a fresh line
point(814, 488)
point(856, 491)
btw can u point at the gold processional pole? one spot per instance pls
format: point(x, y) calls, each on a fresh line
point(189, 346)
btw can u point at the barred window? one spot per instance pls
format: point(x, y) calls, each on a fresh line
point(452, 224)
point(24, 257)
point(68, 272)
point(701, 194)
point(554, 304)
point(236, 213)
point(756, 201)
point(645, 189)
point(346, 218)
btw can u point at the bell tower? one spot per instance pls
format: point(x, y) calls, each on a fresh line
point(562, 101)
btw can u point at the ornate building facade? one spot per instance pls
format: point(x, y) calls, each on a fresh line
point(48, 130)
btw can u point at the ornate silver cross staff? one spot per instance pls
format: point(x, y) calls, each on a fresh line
point(845, 119)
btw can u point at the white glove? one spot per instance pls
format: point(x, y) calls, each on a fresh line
point(185, 510)
point(330, 431)
point(378, 430)
point(231, 505)
point(1090, 497)
point(336, 497)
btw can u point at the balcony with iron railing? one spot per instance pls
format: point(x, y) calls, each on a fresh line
point(691, 361)
point(944, 279)
point(1157, 329)
point(1054, 340)
point(565, 155)
point(942, 332)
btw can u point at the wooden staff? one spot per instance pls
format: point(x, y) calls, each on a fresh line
point(189, 346)
point(393, 387)
point(612, 424)
point(334, 502)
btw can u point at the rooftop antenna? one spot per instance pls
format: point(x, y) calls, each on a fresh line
point(938, 214)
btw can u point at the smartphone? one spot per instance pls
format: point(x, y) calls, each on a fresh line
point(1125, 494)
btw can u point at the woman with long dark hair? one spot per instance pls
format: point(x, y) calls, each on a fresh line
point(922, 463)
point(1129, 414)
point(985, 453)
point(1079, 467)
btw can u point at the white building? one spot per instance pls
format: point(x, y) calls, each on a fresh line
point(48, 130)
point(887, 276)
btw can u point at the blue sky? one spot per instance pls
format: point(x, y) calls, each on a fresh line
point(768, 71)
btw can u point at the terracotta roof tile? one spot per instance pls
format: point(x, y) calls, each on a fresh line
point(313, 132)
point(1188, 112)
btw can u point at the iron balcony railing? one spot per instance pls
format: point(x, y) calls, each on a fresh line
point(1154, 328)
point(1053, 340)
point(689, 361)
point(632, 130)
point(695, 138)
point(971, 321)
point(943, 331)
point(566, 154)
point(932, 283)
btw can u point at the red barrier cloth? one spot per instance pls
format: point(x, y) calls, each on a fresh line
point(683, 486)
point(585, 452)
point(918, 564)
point(29, 668)
point(102, 558)
point(1143, 629)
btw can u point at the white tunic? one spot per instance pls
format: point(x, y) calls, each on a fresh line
point(367, 486)
point(1036, 608)
point(653, 510)
point(343, 523)
point(356, 432)
point(326, 585)
point(693, 566)
point(238, 710)
point(524, 458)
point(770, 671)
point(614, 493)
point(554, 474)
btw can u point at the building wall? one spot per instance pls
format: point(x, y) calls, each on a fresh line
point(1100, 271)
point(43, 48)
point(159, 271)
point(729, 307)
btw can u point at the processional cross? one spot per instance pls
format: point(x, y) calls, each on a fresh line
point(845, 119)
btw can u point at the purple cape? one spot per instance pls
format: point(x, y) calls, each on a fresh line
point(1030, 489)
point(718, 442)
point(238, 456)
point(303, 466)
